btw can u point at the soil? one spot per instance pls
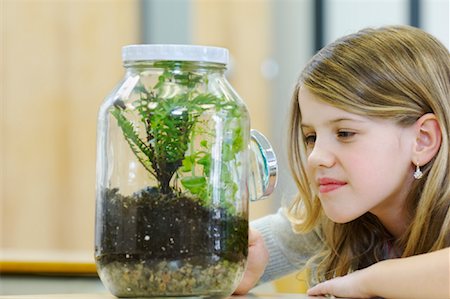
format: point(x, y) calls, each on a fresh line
point(153, 237)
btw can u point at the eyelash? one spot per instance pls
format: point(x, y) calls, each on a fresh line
point(311, 137)
point(345, 134)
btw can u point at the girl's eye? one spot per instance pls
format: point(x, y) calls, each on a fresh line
point(310, 139)
point(345, 134)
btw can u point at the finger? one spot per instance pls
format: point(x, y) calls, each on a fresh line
point(319, 289)
point(253, 237)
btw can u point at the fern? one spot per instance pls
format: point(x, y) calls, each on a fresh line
point(169, 122)
point(131, 136)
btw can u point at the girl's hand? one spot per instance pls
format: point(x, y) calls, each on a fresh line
point(258, 257)
point(348, 286)
point(419, 276)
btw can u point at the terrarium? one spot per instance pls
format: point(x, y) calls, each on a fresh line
point(176, 166)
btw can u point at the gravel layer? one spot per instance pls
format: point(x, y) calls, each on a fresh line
point(170, 279)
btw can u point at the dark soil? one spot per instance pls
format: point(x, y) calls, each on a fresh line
point(152, 226)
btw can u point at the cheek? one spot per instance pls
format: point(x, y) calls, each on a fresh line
point(378, 176)
point(363, 170)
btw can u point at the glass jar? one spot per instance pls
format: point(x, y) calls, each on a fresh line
point(176, 166)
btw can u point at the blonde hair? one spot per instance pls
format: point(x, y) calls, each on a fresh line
point(398, 73)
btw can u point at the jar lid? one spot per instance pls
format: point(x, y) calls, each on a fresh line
point(175, 53)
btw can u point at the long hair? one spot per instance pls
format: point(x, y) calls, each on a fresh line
point(398, 73)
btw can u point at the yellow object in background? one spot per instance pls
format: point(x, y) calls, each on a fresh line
point(57, 262)
point(294, 283)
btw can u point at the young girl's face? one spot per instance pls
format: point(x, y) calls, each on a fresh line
point(355, 164)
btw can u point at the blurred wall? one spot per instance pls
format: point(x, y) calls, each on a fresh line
point(59, 59)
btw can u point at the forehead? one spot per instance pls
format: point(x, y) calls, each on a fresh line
point(316, 113)
point(313, 109)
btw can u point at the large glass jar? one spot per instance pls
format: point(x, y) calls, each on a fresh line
point(176, 167)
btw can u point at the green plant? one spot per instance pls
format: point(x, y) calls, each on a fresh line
point(173, 125)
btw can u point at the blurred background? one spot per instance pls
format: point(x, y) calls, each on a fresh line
point(59, 59)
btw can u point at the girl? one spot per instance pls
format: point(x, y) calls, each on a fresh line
point(369, 151)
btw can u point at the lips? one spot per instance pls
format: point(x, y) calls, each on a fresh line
point(327, 185)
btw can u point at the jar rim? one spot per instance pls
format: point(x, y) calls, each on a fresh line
point(174, 52)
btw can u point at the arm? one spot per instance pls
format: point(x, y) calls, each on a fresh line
point(275, 250)
point(421, 276)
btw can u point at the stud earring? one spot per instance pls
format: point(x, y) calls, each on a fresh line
point(418, 173)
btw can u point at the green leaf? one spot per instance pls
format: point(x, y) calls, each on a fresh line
point(136, 144)
point(188, 164)
point(194, 184)
point(206, 162)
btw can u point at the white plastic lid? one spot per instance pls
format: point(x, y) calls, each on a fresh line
point(175, 53)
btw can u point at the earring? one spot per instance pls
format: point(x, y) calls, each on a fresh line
point(418, 173)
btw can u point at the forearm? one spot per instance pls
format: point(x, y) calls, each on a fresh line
point(420, 276)
point(288, 251)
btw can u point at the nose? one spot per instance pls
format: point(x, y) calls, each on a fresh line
point(321, 155)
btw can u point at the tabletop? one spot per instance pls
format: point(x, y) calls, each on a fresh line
point(109, 296)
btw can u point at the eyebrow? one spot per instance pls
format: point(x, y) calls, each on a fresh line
point(334, 121)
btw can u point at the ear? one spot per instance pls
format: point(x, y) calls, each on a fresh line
point(428, 139)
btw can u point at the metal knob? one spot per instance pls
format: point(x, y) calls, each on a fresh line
point(263, 167)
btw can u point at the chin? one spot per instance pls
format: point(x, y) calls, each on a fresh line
point(340, 218)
